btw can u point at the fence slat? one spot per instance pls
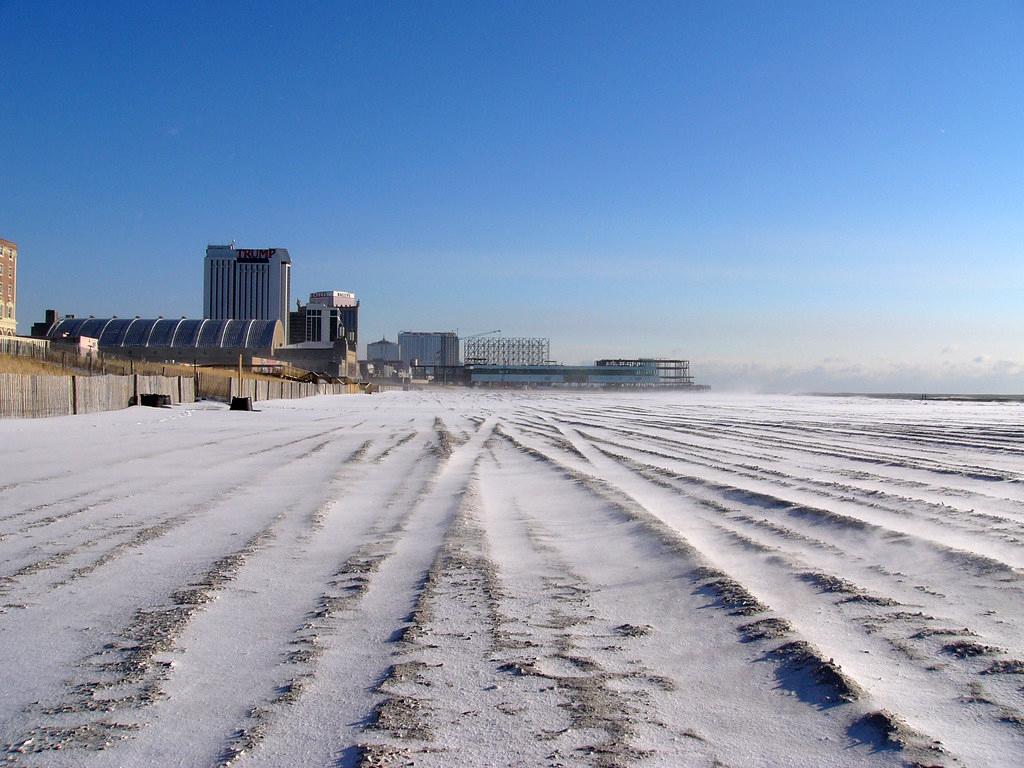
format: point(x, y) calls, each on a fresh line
point(103, 383)
point(36, 396)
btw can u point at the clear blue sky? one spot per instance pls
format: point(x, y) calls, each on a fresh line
point(792, 195)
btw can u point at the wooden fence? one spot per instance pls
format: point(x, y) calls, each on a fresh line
point(286, 390)
point(31, 396)
point(214, 380)
point(26, 396)
point(76, 361)
point(23, 396)
point(112, 382)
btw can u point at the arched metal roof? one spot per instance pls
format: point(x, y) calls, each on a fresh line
point(176, 334)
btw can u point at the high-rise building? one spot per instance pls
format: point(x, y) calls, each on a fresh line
point(8, 288)
point(334, 298)
point(323, 334)
point(338, 307)
point(328, 316)
point(247, 284)
point(429, 348)
point(382, 351)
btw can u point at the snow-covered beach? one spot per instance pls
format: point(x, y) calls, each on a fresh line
point(477, 579)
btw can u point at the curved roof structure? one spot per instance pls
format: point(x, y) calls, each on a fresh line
point(117, 332)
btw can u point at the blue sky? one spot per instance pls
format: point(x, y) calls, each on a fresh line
point(793, 195)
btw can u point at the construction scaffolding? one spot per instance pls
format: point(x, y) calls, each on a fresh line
point(507, 350)
point(672, 373)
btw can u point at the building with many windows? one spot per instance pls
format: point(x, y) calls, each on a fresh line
point(383, 351)
point(327, 316)
point(8, 288)
point(324, 333)
point(247, 284)
point(429, 349)
point(383, 361)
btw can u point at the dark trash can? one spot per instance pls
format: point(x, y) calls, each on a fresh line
point(155, 401)
point(241, 403)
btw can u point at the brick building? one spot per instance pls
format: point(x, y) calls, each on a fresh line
point(8, 288)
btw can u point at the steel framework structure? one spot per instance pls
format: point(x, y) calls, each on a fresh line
point(668, 372)
point(508, 350)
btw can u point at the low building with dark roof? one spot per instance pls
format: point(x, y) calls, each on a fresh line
point(208, 342)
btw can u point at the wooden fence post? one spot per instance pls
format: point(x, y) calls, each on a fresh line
point(74, 395)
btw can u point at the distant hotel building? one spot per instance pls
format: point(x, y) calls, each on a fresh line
point(247, 284)
point(382, 351)
point(327, 316)
point(8, 288)
point(429, 349)
point(323, 334)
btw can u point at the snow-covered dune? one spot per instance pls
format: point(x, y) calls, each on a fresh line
point(491, 579)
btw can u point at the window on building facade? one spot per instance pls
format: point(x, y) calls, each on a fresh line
point(313, 325)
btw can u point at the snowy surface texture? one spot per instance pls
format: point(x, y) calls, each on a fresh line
point(465, 579)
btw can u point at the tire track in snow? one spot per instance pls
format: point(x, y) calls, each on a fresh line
point(945, 660)
point(454, 689)
point(239, 624)
point(979, 571)
point(713, 456)
point(145, 486)
point(126, 673)
point(893, 522)
point(142, 532)
point(922, 507)
point(702, 731)
point(1004, 705)
point(357, 641)
point(341, 590)
point(750, 438)
point(801, 666)
point(118, 466)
